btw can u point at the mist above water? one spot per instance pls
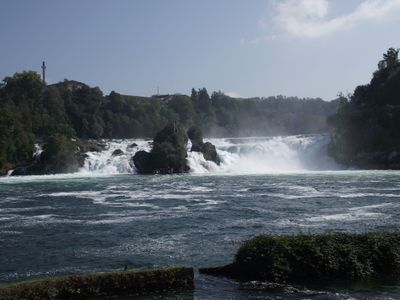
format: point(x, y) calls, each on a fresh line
point(275, 154)
point(254, 155)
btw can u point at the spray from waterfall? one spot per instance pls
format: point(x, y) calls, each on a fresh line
point(238, 156)
point(275, 154)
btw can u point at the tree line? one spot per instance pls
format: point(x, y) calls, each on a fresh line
point(32, 112)
point(366, 125)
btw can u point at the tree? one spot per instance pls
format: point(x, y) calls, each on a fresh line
point(183, 107)
point(366, 128)
point(193, 95)
point(390, 59)
point(24, 86)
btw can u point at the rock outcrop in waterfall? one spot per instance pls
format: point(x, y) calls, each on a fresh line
point(169, 151)
point(168, 154)
point(209, 151)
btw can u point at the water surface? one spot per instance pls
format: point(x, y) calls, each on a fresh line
point(76, 224)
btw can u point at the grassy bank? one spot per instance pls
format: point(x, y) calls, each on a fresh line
point(101, 285)
point(341, 256)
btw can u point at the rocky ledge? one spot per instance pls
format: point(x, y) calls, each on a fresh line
point(60, 155)
point(108, 285)
point(169, 151)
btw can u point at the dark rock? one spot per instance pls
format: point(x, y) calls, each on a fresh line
point(133, 145)
point(117, 152)
point(168, 154)
point(89, 145)
point(196, 147)
point(230, 270)
point(209, 151)
point(377, 160)
point(168, 158)
point(81, 159)
point(393, 160)
point(93, 146)
point(25, 170)
point(196, 137)
point(142, 161)
point(4, 171)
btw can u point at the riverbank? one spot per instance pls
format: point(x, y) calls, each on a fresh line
point(110, 284)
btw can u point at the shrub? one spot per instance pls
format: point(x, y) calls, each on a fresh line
point(341, 256)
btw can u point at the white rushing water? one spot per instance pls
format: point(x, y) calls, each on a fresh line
point(106, 163)
point(255, 155)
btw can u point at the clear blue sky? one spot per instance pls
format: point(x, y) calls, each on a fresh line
point(306, 48)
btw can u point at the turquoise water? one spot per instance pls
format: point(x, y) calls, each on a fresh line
point(74, 224)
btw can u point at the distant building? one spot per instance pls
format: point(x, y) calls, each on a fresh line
point(70, 85)
point(163, 98)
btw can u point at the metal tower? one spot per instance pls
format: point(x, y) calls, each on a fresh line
point(44, 72)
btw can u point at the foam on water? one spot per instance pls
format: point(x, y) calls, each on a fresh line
point(104, 162)
point(275, 154)
point(355, 214)
point(256, 155)
point(87, 221)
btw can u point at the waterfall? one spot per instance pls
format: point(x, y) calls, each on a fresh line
point(254, 155)
point(106, 162)
point(274, 154)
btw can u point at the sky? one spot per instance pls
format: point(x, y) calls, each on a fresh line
point(304, 48)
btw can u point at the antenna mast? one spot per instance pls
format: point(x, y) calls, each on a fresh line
point(44, 72)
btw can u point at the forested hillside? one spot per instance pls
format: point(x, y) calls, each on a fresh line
point(32, 111)
point(367, 124)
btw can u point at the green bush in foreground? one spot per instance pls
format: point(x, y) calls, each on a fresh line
point(341, 256)
point(101, 285)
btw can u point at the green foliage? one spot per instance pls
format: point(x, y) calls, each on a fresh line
point(183, 107)
point(23, 88)
point(205, 114)
point(194, 133)
point(17, 97)
point(49, 115)
point(168, 154)
point(16, 141)
point(84, 108)
point(169, 150)
point(31, 111)
point(28, 110)
point(101, 285)
point(366, 125)
point(173, 133)
point(330, 256)
point(390, 59)
point(130, 116)
point(59, 156)
point(323, 257)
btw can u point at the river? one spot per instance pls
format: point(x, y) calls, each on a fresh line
point(106, 217)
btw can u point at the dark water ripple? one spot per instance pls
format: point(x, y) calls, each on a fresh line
point(68, 224)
